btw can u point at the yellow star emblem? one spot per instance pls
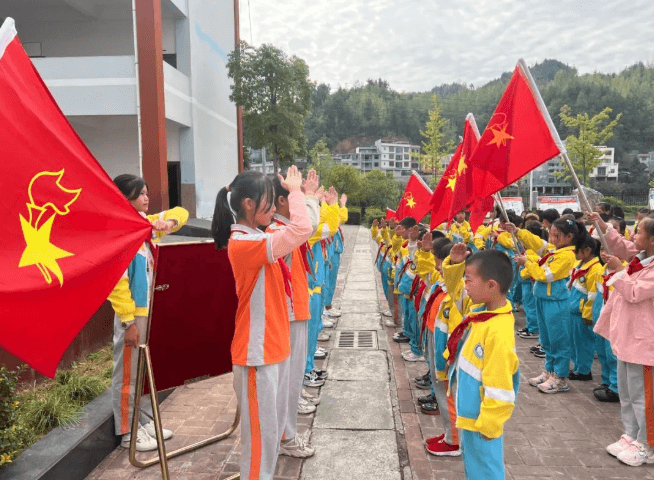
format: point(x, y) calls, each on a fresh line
point(410, 202)
point(461, 167)
point(500, 136)
point(40, 251)
point(451, 182)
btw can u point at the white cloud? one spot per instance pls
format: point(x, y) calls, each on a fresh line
point(417, 44)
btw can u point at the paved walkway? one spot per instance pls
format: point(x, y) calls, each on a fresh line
point(368, 426)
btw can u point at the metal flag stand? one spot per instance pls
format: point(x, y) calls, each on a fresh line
point(144, 369)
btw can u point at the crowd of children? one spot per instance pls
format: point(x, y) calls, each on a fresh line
point(284, 244)
point(455, 291)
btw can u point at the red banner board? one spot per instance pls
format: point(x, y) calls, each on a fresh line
point(193, 314)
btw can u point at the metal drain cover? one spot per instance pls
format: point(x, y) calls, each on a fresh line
point(357, 339)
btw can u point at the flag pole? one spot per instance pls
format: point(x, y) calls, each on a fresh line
point(584, 201)
point(498, 200)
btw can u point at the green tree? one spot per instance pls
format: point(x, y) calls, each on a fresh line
point(593, 131)
point(320, 159)
point(344, 179)
point(378, 189)
point(435, 146)
point(275, 93)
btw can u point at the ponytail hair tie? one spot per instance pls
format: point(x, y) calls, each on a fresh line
point(570, 222)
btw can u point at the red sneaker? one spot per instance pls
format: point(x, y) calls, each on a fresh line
point(432, 440)
point(442, 449)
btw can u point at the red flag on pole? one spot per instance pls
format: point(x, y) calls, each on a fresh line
point(519, 137)
point(455, 187)
point(390, 213)
point(415, 200)
point(68, 233)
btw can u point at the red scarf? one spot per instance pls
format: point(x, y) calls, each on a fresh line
point(457, 334)
point(605, 289)
point(634, 266)
point(429, 305)
point(286, 273)
point(578, 273)
point(542, 261)
point(418, 294)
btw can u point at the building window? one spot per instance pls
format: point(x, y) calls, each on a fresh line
point(601, 171)
point(551, 180)
point(376, 164)
point(391, 164)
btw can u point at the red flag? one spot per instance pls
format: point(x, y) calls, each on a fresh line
point(442, 196)
point(390, 213)
point(451, 194)
point(415, 200)
point(519, 137)
point(478, 211)
point(68, 233)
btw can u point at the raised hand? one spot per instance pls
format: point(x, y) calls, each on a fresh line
point(613, 262)
point(343, 200)
point(320, 193)
point(414, 233)
point(458, 253)
point(509, 227)
point(384, 223)
point(375, 223)
point(311, 183)
point(427, 242)
point(594, 217)
point(293, 180)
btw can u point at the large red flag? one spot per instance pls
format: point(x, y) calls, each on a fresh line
point(519, 137)
point(390, 213)
point(68, 233)
point(454, 188)
point(415, 200)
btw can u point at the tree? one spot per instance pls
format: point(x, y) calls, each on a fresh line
point(320, 159)
point(275, 93)
point(584, 155)
point(435, 147)
point(378, 189)
point(344, 179)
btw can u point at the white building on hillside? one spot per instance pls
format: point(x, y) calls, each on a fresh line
point(85, 52)
point(392, 157)
point(608, 169)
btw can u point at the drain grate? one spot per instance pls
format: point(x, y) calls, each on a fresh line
point(358, 339)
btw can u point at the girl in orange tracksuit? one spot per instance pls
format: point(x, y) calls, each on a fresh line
point(261, 345)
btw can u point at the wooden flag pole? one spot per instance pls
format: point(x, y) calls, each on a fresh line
point(584, 201)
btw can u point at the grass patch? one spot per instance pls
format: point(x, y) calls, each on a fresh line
point(27, 412)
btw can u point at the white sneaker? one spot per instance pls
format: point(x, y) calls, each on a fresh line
point(636, 454)
point(311, 380)
point(326, 322)
point(323, 337)
point(387, 313)
point(321, 350)
point(620, 446)
point(296, 448)
point(312, 399)
point(320, 355)
point(305, 408)
point(333, 312)
point(144, 442)
point(150, 429)
point(412, 357)
point(391, 323)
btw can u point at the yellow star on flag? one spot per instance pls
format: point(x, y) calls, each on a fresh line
point(499, 136)
point(461, 167)
point(40, 252)
point(410, 202)
point(451, 182)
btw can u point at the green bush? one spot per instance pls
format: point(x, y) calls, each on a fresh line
point(55, 410)
point(14, 437)
point(372, 213)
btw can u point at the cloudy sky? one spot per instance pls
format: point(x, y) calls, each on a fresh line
point(417, 44)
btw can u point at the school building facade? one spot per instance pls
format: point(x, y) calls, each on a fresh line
point(148, 98)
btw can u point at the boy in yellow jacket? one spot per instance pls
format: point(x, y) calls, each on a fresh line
point(483, 364)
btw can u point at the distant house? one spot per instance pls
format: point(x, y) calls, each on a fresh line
point(387, 156)
point(607, 171)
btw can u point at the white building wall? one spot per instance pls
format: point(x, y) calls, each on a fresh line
point(214, 130)
point(79, 39)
